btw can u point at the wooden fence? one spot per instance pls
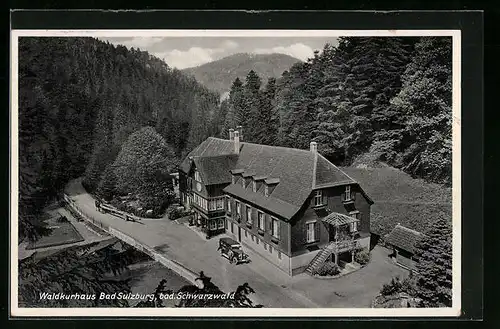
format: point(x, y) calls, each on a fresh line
point(171, 264)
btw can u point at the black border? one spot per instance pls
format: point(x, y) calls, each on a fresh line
point(471, 25)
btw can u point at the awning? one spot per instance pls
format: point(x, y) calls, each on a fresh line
point(337, 219)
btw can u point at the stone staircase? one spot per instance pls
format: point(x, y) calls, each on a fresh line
point(320, 258)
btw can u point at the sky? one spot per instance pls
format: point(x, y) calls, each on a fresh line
point(184, 52)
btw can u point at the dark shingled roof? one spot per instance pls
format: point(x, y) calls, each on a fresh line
point(404, 238)
point(215, 170)
point(298, 172)
point(276, 206)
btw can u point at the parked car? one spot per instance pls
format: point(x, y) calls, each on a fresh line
point(232, 251)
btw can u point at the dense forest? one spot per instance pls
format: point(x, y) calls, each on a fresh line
point(79, 101)
point(388, 99)
point(89, 108)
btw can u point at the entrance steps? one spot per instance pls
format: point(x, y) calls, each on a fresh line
point(320, 258)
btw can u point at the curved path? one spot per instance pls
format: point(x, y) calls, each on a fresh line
point(273, 287)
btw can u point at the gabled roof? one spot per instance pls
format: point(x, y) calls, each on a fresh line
point(215, 170)
point(337, 219)
point(297, 172)
point(404, 238)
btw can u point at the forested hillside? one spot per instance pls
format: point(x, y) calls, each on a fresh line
point(219, 75)
point(386, 99)
point(81, 98)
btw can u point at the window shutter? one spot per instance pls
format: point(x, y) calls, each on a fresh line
point(316, 231)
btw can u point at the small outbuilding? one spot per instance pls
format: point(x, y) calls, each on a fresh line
point(403, 241)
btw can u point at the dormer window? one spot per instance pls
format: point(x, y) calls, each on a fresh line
point(254, 186)
point(243, 182)
point(318, 198)
point(348, 192)
point(233, 179)
point(197, 176)
point(271, 184)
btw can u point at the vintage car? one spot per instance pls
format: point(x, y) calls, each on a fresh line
point(232, 251)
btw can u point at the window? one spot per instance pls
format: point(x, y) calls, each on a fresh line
point(221, 223)
point(225, 224)
point(311, 234)
point(238, 209)
point(257, 240)
point(249, 215)
point(233, 179)
point(260, 220)
point(243, 182)
point(354, 214)
point(270, 249)
point(232, 227)
point(318, 198)
point(266, 191)
point(265, 246)
point(213, 224)
point(254, 186)
point(197, 176)
point(253, 238)
point(220, 203)
point(353, 227)
point(246, 234)
point(275, 228)
point(279, 255)
point(228, 205)
point(212, 205)
point(348, 192)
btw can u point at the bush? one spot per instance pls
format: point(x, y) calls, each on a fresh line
point(62, 219)
point(328, 269)
point(362, 257)
point(396, 285)
point(175, 212)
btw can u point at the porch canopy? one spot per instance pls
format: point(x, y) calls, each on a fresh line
point(337, 219)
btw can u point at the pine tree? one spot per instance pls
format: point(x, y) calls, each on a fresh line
point(79, 269)
point(434, 266)
point(250, 114)
point(107, 185)
point(424, 103)
point(267, 129)
point(236, 107)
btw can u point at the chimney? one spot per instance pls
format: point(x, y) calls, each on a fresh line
point(231, 134)
point(236, 142)
point(240, 129)
point(314, 147)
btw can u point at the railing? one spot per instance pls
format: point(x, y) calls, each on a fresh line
point(171, 264)
point(342, 246)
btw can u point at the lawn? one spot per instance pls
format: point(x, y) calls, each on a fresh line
point(63, 232)
point(399, 198)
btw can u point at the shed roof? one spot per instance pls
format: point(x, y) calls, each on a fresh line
point(404, 238)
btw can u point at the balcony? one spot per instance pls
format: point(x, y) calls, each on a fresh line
point(343, 246)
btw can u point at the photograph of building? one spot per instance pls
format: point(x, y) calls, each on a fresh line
point(286, 204)
point(285, 170)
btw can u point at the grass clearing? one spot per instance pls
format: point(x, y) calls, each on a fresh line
point(399, 198)
point(63, 232)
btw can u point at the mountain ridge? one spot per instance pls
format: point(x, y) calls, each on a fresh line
point(218, 75)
